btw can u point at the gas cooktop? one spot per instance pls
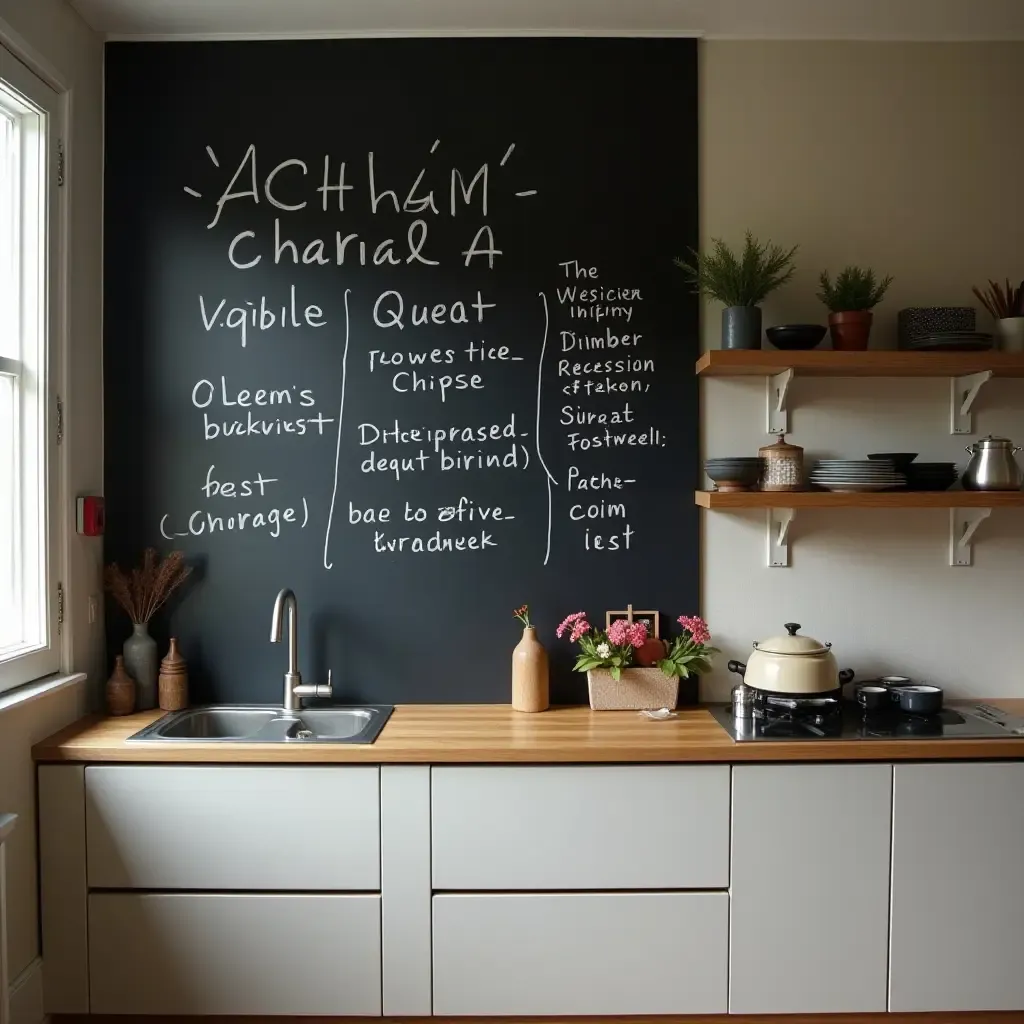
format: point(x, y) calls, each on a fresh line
point(850, 722)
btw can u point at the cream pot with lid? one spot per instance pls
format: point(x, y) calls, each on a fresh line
point(792, 664)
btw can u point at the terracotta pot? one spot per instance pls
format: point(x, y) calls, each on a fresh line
point(637, 689)
point(530, 673)
point(850, 331)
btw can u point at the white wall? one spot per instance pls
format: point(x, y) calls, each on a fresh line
point(52, 32)
point(898, 156)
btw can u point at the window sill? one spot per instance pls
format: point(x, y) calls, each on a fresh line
point(37, 689)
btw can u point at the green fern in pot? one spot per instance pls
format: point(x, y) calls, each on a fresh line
point(850, 299)
point(741, 282)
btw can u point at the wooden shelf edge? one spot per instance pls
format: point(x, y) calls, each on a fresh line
point(718, 500)
point(827, 363)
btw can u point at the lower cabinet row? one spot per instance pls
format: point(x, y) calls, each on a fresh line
point(511, 954)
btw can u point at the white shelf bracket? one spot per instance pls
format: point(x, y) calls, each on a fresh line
point(962, 393)
point(778, 392)
point(963, 523)
point(779, 521)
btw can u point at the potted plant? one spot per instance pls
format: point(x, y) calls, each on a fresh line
point(1006, 304)
point(740, 282)
point(607, 656)
point(850, 300)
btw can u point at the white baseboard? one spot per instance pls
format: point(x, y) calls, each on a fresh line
point(26, 999)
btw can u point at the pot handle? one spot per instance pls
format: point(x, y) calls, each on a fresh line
point(738, 667)
point(969, 449)
point(846, 676)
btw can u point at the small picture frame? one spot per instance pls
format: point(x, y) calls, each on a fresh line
point(651, 618)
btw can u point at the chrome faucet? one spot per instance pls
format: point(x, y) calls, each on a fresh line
point(294, 690)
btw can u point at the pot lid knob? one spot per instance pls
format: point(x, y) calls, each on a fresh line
point(791, 627)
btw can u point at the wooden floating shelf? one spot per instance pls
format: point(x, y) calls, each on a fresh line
point(767, 362)
point(879, 499)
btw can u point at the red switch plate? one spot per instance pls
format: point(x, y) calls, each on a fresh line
point(90, 516)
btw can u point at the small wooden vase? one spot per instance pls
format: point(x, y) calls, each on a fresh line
point(120, 690)
point(530, 686)
point(173, 680)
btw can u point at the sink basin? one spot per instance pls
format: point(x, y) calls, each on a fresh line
point(242, 723)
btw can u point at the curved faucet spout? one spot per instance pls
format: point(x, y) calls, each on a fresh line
point(285, 605)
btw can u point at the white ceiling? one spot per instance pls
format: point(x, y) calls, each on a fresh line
point(751, 19)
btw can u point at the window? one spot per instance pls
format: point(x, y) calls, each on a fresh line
point(29, 638)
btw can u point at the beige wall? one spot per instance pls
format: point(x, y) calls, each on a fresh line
point(61, 40)
point(904, 157)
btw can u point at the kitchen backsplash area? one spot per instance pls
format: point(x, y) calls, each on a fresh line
point(875, 582)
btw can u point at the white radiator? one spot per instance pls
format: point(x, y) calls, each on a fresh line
point(6, 827)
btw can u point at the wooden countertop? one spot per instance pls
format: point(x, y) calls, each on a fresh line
point(495, 734)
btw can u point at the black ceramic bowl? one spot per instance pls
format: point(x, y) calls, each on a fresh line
point(735, 478)
point(900, 460)
point(796, 336)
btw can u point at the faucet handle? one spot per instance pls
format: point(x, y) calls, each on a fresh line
point(315, 689)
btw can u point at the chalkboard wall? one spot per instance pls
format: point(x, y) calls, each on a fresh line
point(394, 323)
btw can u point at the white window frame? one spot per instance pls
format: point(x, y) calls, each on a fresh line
point(38, 533)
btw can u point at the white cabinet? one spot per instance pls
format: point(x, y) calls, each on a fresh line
point(957, 940)
point(177, 953)
point(810, 888)
point(580, 953)
point(218, 827)
point(599, 827)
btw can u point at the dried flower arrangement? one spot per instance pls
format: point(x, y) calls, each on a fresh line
point(142, 590)
point(1002, 301)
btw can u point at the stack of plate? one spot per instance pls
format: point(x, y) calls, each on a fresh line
point(950, 341)
point(856, 475)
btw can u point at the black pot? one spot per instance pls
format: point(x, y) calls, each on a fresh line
point(741, 327)
point(919, 700)
point(873, 698)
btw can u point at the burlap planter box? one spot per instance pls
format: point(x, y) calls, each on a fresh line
point(638, 688)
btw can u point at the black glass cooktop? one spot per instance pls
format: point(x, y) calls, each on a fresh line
point(852, 724)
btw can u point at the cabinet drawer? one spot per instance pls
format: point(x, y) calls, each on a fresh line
point(193, 827)
point(581, 953)
point(178, 953)
point(602, 827)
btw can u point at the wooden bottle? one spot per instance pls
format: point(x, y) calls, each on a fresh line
point(120, 691)
point(173, 680)
point(530, 674)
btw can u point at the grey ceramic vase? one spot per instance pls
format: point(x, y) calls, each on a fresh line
point(142, 664)
point(741, 327)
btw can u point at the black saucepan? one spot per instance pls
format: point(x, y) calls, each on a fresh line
point(918, 700)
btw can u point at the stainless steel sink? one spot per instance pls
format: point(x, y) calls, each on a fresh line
point(242, 723)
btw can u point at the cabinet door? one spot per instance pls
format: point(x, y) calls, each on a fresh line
point(957, 939)
point(177, 953)
point(600, 827)
point(810, 888)
point(580, 953)
point(223, 827)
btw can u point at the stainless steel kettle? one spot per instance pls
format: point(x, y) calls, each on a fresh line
point(992, 466)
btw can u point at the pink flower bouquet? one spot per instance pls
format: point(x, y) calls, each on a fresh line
point(689, 652)
point(611, 649)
